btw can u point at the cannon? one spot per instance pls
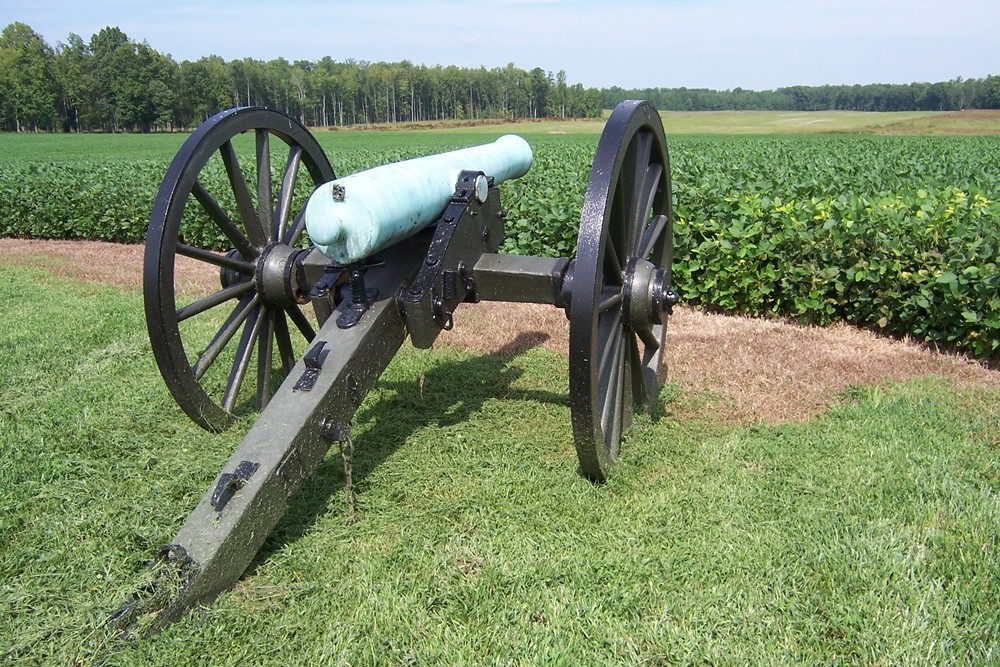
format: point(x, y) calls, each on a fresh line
point(313, 299)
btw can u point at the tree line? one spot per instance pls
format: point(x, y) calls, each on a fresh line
point(112, 83)
point(954, 95)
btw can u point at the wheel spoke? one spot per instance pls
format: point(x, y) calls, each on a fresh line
point(288, 180)
point(613, 300)
point(213, 300)
point(613, 391)
point(223, 221)
point(623, 410)
point(284, 341)
point(651, 236)
point(635, 183)
point(640, 160)
point(648, 339)
point(244, 352)
point(298, 226)
point(635, 362)
point(615, 245)
point(225, 334)
point(265, 191)
point(650, 371)
point(301, 321)
point(609, 332)
point(614, 274)
point(246, 268)
point(645, 204)
point(613, 270)
point(265, 356)
point(629, 183)
point(243, 201)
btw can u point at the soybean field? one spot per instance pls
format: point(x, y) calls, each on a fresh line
point(896, 233)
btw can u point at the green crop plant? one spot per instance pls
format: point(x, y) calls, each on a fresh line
point(899, 234)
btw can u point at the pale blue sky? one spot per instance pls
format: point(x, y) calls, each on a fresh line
point(632, 43)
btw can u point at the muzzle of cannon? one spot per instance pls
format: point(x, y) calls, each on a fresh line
point(391, 254)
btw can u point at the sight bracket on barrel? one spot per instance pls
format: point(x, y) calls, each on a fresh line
point(396, 263)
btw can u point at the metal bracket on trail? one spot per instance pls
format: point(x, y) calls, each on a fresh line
point(313, 360)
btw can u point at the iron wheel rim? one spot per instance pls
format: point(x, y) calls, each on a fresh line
point(627, 216)
point(264, 219)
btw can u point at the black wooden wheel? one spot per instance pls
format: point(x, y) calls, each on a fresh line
point(621, 295)
point(232, 185)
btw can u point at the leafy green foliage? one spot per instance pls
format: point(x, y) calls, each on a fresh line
point(112, 83)
point(954, 95)
point(543, 207)
point(898, 233)
point(105, 200)
point(26, 83)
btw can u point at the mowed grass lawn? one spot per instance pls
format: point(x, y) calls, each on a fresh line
point(866, 536)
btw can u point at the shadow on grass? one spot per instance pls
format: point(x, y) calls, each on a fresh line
point(448, 394)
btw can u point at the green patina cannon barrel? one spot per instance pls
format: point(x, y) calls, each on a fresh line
point(354, 217)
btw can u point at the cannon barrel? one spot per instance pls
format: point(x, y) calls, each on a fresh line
point(351, 218)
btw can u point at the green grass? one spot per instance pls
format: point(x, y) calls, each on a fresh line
point(27, 147)
point(88, 147)
point(868, 536)
point(742, 122)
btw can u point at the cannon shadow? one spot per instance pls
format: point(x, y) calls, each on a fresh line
point(449, 400)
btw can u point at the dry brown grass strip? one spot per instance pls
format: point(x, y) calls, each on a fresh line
point(771, 371)
point(99, 262)
point(746, 370)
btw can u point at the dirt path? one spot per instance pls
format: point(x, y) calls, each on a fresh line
point(746, 370)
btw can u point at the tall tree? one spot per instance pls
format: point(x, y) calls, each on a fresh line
point(74, 75)
point(989, 93)
point(105, 61)
point(540, 83)
point(27, 81)
point(203, 88)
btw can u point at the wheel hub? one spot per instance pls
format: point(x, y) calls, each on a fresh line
point(647, 298)
point(276, 276)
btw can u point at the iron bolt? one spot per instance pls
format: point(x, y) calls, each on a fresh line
point(664, 299)
point(330, 429)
